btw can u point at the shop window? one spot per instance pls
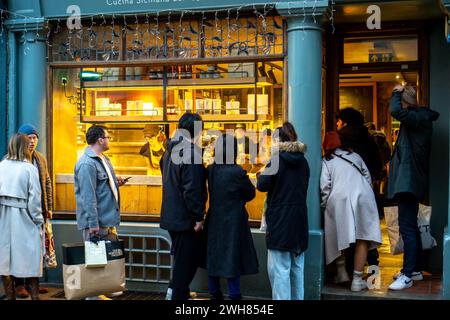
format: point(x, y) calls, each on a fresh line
point(379, 50)
point(141, 106)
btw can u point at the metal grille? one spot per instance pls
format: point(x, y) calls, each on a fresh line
point(152, 38)
point(147, 258)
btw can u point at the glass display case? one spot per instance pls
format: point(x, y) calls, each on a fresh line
point(220, 93)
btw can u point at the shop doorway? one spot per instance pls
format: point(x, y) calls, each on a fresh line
point(370, 94)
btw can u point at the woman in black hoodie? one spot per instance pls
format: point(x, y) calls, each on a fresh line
point(286, 180)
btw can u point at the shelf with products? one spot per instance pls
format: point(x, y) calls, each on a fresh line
point(230, 93)
point(220, 100)
point(122, 101)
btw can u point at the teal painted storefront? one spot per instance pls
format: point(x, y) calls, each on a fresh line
point(27, 102)
point(3, 73)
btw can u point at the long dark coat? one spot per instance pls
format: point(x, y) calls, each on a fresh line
point(410, 161)
point(230, 248)
point(287, 188)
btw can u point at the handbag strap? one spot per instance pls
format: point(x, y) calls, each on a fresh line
point(351, 162)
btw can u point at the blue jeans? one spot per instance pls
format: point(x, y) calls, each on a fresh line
point(286, 274)
point(408, 208)
point(234, 288)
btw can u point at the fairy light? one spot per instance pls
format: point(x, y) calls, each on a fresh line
point(332, 16)
point(113, 35)
point(91, 32)
point(314, 12)
point(26, 47)
point(228, 31)
point(233, 27)
point(1, 25)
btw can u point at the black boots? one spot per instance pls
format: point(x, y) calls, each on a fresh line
point(10, 290)
point(33, 285)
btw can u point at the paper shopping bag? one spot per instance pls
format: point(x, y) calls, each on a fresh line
point(395, 240)
point(95, 253)
point(81, 281)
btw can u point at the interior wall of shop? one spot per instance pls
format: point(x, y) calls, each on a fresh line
point(3, 72)
point(439, 163)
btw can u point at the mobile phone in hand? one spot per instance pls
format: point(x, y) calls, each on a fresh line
point(126, 179)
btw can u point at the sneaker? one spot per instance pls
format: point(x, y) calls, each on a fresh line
point(358, 284)
point(192, 294)
point(402, 282)
point(341, 278)
point(416, 276)
point(114, 294)
point(101, 297)
point(169, 294)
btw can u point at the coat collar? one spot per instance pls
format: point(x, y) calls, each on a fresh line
point(290, 146)
point(90, 153)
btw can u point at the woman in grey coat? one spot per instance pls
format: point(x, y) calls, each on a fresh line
point(350, 209)
point(21, 220)
point(230, 249)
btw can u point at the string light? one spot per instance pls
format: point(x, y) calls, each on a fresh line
point(332, 16)
point(217, 32)
point(1, 22)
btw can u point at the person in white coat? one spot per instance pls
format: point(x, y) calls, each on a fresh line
point(21, 220)
point(349, 206)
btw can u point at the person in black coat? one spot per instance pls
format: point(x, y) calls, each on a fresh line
point(230, 249)
point(408, 177)
point(184, 198)
point(286, 179)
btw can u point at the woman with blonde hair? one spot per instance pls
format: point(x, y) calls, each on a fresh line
point(21, 220)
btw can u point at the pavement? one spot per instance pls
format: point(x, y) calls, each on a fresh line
point(430, 288)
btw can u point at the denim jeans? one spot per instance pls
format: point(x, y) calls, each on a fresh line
point(234, 288)
point(408, 208)
point(286, 274)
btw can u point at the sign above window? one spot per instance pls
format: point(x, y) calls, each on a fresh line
point(379, 50)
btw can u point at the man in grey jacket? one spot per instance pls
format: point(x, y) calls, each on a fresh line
point(97, 189)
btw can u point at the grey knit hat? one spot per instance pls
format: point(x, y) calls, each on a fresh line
point(409, 95)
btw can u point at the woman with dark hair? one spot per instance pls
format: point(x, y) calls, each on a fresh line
point(355, 136)
point(230, 249)
point(21, 219)
point(285, 179)
point(348, 203)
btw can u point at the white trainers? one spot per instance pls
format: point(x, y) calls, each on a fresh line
point(416, 276)
point(114, 294)
point(358, 284)
point(402, 282)
point(101, 297)
point(341, 277)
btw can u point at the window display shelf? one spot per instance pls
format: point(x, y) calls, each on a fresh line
point(114, 119)
point(122, 84)
point(225, 118)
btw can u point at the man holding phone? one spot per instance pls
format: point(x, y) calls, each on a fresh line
point(97, 190)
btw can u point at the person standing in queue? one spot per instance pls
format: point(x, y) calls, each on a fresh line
point(184, 198)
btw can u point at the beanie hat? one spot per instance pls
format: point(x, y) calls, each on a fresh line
point(409, 95)
point(28, 129)
point(331, 141)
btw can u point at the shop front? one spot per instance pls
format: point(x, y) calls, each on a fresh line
point(137, 66)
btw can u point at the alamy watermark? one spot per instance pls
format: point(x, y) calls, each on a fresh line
point(374, 20)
